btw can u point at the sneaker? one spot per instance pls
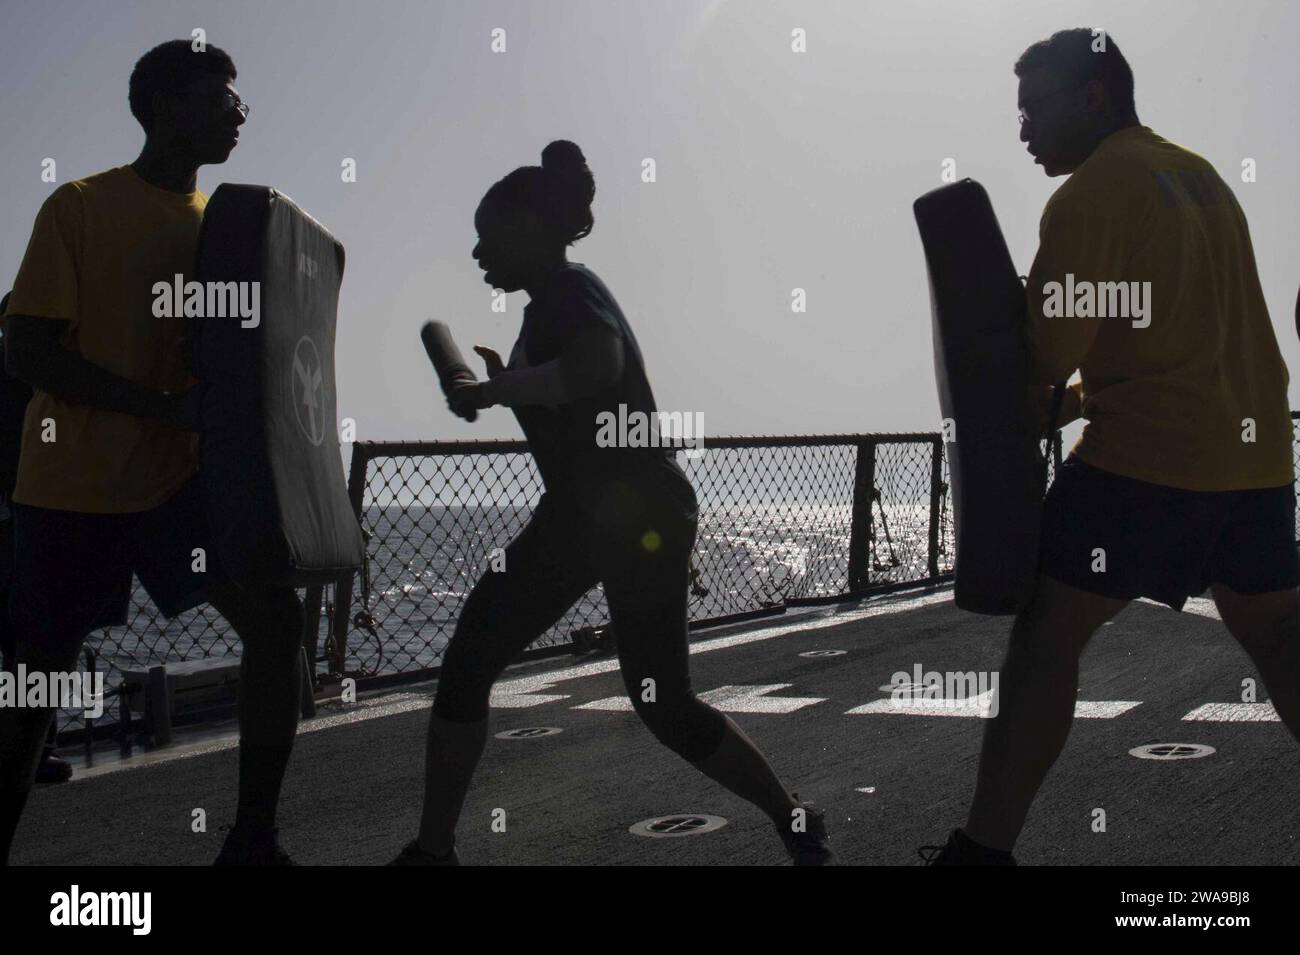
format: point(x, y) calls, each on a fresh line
point(961, 849)
point(53, 767)
point(809, 847)
point(249, 847)
point(412, 854)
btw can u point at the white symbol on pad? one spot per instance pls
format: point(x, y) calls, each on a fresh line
point(305, 387)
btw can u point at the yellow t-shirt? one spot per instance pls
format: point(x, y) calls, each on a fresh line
point(1187, 388)
point(98, 246)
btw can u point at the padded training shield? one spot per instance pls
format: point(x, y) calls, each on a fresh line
point(271, 469)
point(981, 366)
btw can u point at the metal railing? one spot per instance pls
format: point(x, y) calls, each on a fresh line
point(782, 520)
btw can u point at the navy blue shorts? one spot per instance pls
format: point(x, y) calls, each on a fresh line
point(72, 571)
point(1119, 537)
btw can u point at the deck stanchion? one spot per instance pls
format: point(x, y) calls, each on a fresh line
point(936, 504)
point(861, 529)
point(343, 590)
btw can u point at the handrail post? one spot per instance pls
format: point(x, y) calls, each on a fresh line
point(936, 498)
point(343, 589)
point(861, 529)
point(311, 601)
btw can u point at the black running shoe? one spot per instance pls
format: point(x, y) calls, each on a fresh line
point(961, 849)
point(249, 847)
point(412, 854)
point(53, 767)
point(811, 846)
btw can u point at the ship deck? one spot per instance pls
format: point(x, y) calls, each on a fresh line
point(890, 778)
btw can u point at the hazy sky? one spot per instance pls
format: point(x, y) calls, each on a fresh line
point(776, 169)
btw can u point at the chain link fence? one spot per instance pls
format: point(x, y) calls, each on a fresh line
point(781, 520)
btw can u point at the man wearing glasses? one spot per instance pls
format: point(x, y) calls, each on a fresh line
point(1182, 479)
point(107, 478)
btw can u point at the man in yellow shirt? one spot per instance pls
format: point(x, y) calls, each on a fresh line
point(1145, 282)
point(14, 397)
point(107, 476)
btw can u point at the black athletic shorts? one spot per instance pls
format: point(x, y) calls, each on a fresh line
point(72, 571)
point(1165, 543)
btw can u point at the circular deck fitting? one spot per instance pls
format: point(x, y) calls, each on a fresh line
point(1172, 751)
point(529, 732)
point(682, 824)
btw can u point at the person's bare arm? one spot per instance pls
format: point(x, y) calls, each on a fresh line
point(34, 354)
point(591, 362)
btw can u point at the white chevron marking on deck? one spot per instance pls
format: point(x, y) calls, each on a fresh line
point(1103, 709)
point(610, 704)
point(977, 707)
point(728, 699)
point(1234, 713)
point(754, 699)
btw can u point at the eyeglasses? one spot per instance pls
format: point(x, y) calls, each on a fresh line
point(230, 101)
point(1032, 105)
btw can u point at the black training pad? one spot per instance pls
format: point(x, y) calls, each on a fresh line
point(271, 468)
point(981, 366)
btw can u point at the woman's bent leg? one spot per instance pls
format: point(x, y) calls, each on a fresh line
point(544, 574)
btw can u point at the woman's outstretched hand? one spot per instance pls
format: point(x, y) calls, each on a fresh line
point(491, 360)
